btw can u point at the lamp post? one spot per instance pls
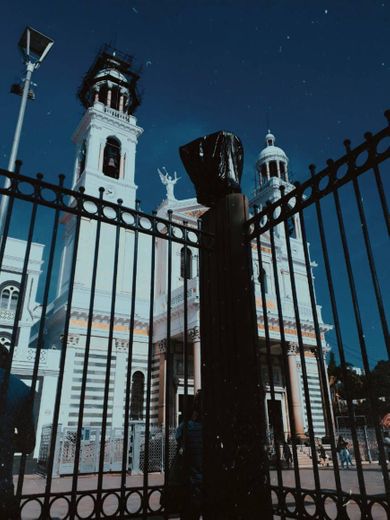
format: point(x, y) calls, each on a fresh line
point(34, 47)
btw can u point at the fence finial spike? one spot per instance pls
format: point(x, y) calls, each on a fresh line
point(347, 144)
point(18, 165)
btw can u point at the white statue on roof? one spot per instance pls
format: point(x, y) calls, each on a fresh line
point(168, 181)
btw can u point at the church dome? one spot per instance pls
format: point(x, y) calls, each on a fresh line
point(272, 161)
point(271, 152)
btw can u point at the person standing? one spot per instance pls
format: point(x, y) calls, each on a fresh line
point(323, 456)
point(17, 433)
point(386, 443)
point(287, 455)
point(345, 456)
point(192, 443)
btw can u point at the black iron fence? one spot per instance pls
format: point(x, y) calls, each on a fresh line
point(100, 309)
point(328, 213)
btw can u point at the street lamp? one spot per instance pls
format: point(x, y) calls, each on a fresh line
point(34, 47)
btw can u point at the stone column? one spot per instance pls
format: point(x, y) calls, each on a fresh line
point(121, 103)
point(101, 156)
point(109, 97)
point(195, 336)
point(267, 170)
point(122, 166)
point(295, 390)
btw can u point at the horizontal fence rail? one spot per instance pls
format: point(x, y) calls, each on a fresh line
point(80, 203)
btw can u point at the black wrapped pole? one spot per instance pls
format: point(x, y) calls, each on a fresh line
point(235, 469)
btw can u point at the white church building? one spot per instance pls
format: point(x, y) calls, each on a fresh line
point(106, 140)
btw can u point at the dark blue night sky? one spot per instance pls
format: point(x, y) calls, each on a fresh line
point(316, 72)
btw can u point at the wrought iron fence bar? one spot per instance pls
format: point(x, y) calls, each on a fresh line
point(17, 317)
point(108, 370)
point(302, 358)
point(41, 331)
point(299, 198)
point(268, 353)
point(362, 342)
point(185, 342)
point(23, 284)
point(168, 361)
point(79, 201)
point(85, 369)
point(320, 358)
point(379, 183)
point(284, 347)
point(145, 508)
point(382, 196)
point(371, 262)
point(4, 237)
point(5, 230)
point(340, 345)
point(57, 404)
point(125, 461)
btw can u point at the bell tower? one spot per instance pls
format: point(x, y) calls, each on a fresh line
point(107, 135)
point(106, 141)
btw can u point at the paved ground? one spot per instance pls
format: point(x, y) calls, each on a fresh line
point(36, 484)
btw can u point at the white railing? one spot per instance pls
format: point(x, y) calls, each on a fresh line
point(119, 115)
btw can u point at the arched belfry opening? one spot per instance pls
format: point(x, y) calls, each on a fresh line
point(112, 158)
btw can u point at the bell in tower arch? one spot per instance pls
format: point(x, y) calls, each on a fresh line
point(111, 160)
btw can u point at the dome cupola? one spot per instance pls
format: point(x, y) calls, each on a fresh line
point(272, 161)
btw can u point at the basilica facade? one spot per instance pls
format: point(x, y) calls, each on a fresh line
point(106, 140)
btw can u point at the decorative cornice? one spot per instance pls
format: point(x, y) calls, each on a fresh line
point(194, 334)
point(292, 349)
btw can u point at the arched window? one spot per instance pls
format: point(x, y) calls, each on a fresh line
point(273, 169)
point(137, 396)
point(292, 232)
point(186, 263)
point(9, 296)
point(112, 157)
point(82, 158)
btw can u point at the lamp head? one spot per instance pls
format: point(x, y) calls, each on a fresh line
point(34, 45)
